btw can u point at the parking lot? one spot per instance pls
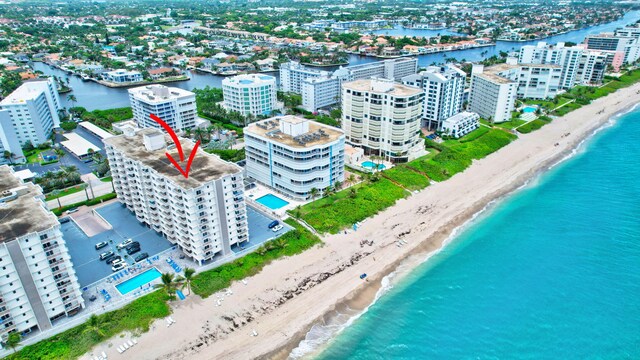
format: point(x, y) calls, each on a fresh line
point(259, 231)
point(89, 268)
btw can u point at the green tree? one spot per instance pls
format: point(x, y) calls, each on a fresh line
point(313, 192)
point(13, 340)
point(169, 284)
point(188, 276)
point(92, 326)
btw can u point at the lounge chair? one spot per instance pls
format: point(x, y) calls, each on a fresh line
point(126, 346)
point(171, 319)
point(135, 342)
point(130, 343)
point(120, 349)
point(104, 355)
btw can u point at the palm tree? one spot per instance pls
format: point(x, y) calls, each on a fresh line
point(169, 284)
point(8, 155)
point(313, 192)
point(188, 276)
point(337, 186)
point(351, 179)
point(93, 326)
point(72, 99)
point(13, 340)
point(353, 192)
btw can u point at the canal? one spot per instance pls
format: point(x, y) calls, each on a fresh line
point(91, 95)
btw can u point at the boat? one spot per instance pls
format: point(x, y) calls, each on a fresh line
point(85, 77)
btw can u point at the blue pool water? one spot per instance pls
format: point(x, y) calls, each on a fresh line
point(372, 165)
point(553, 272)
point(272, 202)
point(138, 280)
point(529, 109)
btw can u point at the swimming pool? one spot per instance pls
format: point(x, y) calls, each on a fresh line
point(137, 281)
point(372, 165)
point(529, 109)
point(272, 202)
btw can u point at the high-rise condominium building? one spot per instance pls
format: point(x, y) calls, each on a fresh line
point(492, 96)
point(625, 50)
point(321, 89)
point(28, 114)
point(37, 284)
point(580, 66)
point(204, 214)
point(383, 117)
point(294, 155)
point(444, 92)
point(176, 107)
point(253, 94)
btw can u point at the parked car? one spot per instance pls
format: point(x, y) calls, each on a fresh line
point(65, 219)
point(100, 245)
point(118, 267)
point(133, 250)
point(124, 244)
point(113, 259)
point(72, 210)
point(276, 228)
point(132, 245)
point(106, 254)
point(273, 223)
point(141, 257)
point(118, 261)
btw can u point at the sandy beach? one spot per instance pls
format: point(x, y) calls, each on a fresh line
point(288, 296)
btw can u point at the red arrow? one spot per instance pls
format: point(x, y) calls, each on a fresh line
point(174, 137)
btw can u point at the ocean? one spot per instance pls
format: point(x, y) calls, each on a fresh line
point(550, 272)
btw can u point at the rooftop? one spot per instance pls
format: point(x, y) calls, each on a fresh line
point(249, 79)
point(314, 133)
point(23, 93)
point(24, 214)
point(158, 93)
point(382, 86)
point(204, 168)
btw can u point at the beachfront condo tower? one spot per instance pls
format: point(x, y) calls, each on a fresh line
point(253, 94)
point(28, 114)
point(492, 96)
point(38, 284)
point(293, 155)
point(383, 118)
point(204, 214)
point(176, 107)
point(444, 91)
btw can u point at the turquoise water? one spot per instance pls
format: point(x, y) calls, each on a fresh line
point(372, 165)
point(529, 109)
point(553, 272)
point(272, 202)
point(135, 282)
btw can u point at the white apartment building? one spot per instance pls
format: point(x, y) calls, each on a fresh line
point(10, 148)
point(204, 214)
point(30, 113)
point(122, 76)
point(625, 49)
point(628, 31)
point(321, 89)
point(293, 155)
point(176, 107)
point(444, 92)
point(383, 118)
point(460, 124)
point(580, 66)
point(491, 96)
point(38, 284)
point(535, 81)
point(250, 94)
point(292, 74)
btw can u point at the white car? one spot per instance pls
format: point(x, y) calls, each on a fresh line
point(72, 210)
point(276, 228)
point(124, 244)
point(118, 266)
point(118, 261)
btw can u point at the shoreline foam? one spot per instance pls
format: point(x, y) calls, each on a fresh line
point(289, 296)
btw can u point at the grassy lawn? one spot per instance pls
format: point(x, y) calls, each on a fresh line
point(532, 126)
point(106, 179)
point(456, 155)
point(291, 243)
point(60, 193)
point(509, 125)
point(34, 156)
point(96, 201)
point(342, 209)
point(409, 179)
point(73, 343)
